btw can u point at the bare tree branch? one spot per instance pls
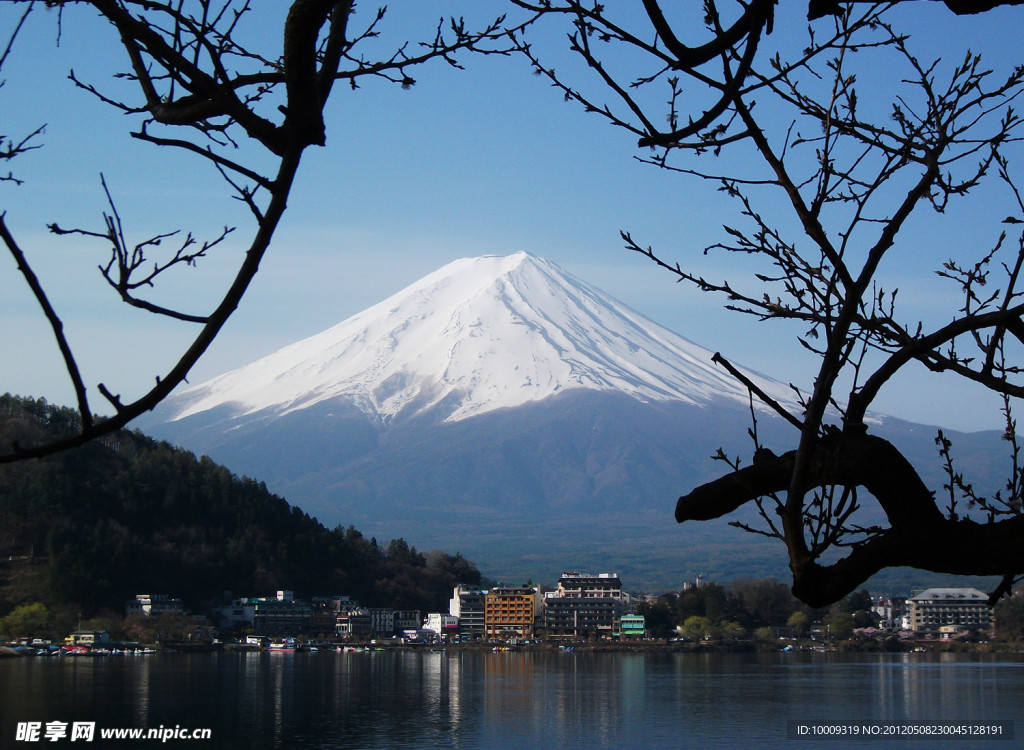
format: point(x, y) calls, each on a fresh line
point(852, 177)
point(195, 72)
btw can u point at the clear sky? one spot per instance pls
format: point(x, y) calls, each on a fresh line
point(485, 160)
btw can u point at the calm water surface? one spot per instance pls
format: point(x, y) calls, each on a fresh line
point(509, 700)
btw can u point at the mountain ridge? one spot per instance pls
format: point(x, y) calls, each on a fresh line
point(88, 528)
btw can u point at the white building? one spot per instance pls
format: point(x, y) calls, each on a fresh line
point(890, 611)
point(937, 610)
point(153, 605)
point(441, 623)
point(468, 606)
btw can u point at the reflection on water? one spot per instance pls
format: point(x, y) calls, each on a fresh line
point(477, 699)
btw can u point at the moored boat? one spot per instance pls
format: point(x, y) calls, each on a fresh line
point(75, 651)
point(287, 645)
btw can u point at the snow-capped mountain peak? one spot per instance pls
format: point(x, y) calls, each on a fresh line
point(479, 334)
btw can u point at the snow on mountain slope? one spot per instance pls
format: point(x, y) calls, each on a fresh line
point(477, 335)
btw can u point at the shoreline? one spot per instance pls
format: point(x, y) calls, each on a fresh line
point(649, 646)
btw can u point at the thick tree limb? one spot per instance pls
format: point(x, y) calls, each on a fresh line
point(920, 536)
point(850, 459)
point(304, 122)
point(961, 547)
point(756, 16)
point(820, 8)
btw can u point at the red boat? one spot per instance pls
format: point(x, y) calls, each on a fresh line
point(75, 650)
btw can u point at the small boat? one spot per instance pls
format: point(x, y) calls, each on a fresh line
point(15, 651)
point(287, 645)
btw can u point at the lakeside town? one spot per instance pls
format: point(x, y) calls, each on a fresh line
point(581, 610)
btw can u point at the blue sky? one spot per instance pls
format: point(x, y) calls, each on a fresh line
point(485, 160)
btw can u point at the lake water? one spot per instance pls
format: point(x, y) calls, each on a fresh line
point(472, 699)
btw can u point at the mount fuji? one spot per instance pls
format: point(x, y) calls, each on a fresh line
point(502, 408)
point(480, 334)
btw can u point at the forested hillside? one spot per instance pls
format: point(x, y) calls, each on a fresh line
point(126, 515)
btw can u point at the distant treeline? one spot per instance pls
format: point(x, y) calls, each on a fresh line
point(762, 607)
point(749, 605)
point(125, 515)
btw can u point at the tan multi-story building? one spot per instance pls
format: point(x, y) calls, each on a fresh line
point(937, 610)
point(511, 610)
